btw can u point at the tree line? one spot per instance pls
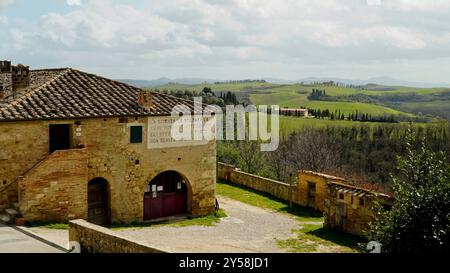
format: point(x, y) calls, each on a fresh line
point(360, 153)
point(207, 94)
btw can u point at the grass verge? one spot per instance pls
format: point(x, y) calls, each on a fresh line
point(49, 225)
point(264, 200)
point(313, 238)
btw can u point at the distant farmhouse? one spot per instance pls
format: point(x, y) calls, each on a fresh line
point(301, 112)
point(77, 145)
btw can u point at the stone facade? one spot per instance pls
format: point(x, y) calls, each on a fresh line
point(312, 188)
point(96, 239)
point(54, 187)
point(351, 209)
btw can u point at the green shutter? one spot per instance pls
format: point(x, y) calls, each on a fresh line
point(136, 134)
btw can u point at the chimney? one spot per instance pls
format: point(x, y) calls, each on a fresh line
point(145, 99)
point(13, 79)
point(5, 78)
point(20, 77)
point(5, 67)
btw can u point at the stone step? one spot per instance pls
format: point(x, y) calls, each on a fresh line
point(11, 212)
point(5, 218)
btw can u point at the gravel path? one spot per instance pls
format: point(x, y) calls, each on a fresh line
point(13, 240)
point(246, 229)
point(57, 236)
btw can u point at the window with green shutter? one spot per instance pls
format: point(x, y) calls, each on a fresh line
point(136, 134)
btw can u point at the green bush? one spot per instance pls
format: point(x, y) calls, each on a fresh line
point(419, 221)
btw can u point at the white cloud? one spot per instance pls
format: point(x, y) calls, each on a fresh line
point(73, 2)
point(7, 3)
point(203, 34)
point(3, 20)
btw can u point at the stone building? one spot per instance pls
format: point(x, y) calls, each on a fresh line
point(312, 188)
point(301, 112)
point(77, 145)
point(351, 209)
point(345, 207)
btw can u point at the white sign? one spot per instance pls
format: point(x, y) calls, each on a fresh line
point(160, 188)
point(153, 188)
point(160, 133)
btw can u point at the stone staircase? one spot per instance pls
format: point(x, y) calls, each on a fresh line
point(9, 215)
point(12, 210)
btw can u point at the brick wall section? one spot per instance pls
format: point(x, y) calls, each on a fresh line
point(22, 145)
point(270, 186)
point(96, 239)
point(47, 190)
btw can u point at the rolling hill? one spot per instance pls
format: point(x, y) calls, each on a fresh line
point(374, 99)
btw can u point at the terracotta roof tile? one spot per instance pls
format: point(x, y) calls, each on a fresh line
point(69, 93)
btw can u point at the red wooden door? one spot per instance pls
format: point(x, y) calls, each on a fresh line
point(167, 196)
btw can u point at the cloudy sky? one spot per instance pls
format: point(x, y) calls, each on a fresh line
point(232, 39)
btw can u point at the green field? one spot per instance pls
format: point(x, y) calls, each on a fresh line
point(406, 102)
point(291, 124)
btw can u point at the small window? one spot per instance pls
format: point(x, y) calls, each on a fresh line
point(361, 201)
point(341, 196)
point(136, 134)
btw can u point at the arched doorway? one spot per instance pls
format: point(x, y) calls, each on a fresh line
point(98, 202)
point(166, 195)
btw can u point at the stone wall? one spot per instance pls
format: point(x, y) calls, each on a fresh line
point(128, 168)
point(96, 239)
point(345, 207)
point(55, 189)
point(276, 188)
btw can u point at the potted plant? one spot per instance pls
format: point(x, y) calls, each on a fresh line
point(20, 221)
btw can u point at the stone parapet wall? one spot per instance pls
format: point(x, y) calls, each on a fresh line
point(273, 187)
point(97, 239)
